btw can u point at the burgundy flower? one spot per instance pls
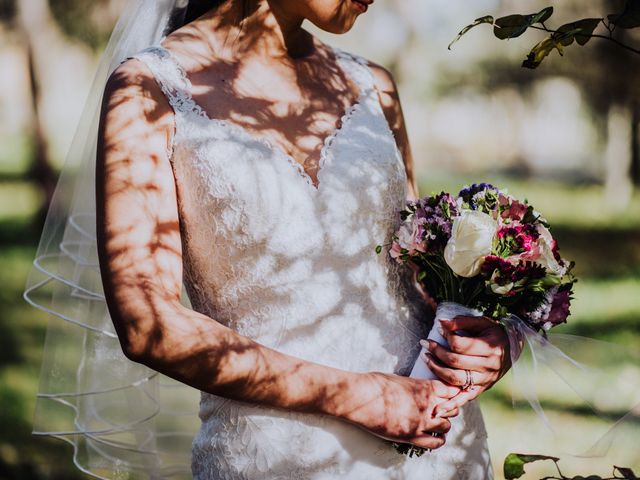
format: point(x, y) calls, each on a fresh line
point(560, 309)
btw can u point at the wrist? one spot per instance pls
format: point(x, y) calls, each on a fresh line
point(354, 397)
point(342, 395)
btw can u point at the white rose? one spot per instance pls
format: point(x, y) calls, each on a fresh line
point(547, 258)
point(471, 241)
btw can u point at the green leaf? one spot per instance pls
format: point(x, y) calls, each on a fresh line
point(582, 30)
point(513, 26)
point(544, 15)
point(630, 16)
point(515, 462)
point(477, 21)
point(626, 473)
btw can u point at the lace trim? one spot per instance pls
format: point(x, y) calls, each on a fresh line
point(182, 101)
point(179, 96)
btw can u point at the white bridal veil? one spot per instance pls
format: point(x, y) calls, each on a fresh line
point(123, 419)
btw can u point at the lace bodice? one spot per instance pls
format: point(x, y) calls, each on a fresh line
point(294, 267)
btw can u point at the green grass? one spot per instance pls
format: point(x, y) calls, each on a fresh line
point(18, 200)
point(15, 151)
point(607, 307)
point(22, 329)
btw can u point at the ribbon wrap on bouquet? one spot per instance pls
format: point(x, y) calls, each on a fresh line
point(548, 367)
point(445, 311)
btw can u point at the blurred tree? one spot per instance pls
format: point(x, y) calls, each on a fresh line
point(608, 77)
point(21, 20)
point(35, 23)
point(7, 11)
point(90, 23)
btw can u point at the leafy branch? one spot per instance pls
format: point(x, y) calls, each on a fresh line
point(515, 462)
point(579, 31)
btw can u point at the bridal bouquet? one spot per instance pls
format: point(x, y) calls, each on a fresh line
point(483, 253)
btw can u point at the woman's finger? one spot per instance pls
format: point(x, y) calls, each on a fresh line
point(461, 362)
point(444, 391)
point(442, 426)
point(468, 324)
point(473, 346)
point(428, 441)
point(457, 402)
point(457, 377)
point(452, 377)
point(451, 413)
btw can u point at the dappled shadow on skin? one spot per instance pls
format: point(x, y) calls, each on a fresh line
point(295, 115)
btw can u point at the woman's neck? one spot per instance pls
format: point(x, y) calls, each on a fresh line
point(264, 30)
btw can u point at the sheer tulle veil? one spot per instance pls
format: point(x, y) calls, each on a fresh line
point(121, 418)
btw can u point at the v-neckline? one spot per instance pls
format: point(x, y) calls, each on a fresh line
point(240, 130)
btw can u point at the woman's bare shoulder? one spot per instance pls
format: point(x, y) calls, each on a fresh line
point(132, 91)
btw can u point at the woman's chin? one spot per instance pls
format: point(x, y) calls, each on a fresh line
point(338, 27)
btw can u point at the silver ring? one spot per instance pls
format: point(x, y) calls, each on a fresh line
point(469, 380)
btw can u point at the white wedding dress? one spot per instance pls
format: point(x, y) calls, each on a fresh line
point(294, 267)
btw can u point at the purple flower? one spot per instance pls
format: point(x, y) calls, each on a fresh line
point(554, 310)
point(475, 195)
point(560, 309)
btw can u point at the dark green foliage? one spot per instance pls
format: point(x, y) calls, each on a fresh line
point(629, 17)
point(515, 462)
point(579, 31)
point(513, 26)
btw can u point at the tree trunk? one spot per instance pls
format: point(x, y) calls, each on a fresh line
point(635, 144)
point(617, 158)
point(41, 172)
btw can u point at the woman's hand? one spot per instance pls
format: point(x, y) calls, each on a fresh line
point(400, 409)
point(476, 360)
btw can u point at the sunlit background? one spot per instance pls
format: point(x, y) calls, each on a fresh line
point(565, 136)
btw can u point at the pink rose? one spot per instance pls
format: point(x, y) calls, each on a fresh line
point(395, 251)
point(515, 210)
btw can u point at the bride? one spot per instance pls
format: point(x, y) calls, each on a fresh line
point(260, 167)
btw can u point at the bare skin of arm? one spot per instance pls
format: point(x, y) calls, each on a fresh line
point(141, 264)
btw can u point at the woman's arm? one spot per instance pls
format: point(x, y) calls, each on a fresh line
point(390, 101)
point(141, 263)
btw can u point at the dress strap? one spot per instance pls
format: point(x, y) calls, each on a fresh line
point(357, 68)
point(171, 78)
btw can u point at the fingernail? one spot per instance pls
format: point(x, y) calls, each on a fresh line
point(424, 343)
